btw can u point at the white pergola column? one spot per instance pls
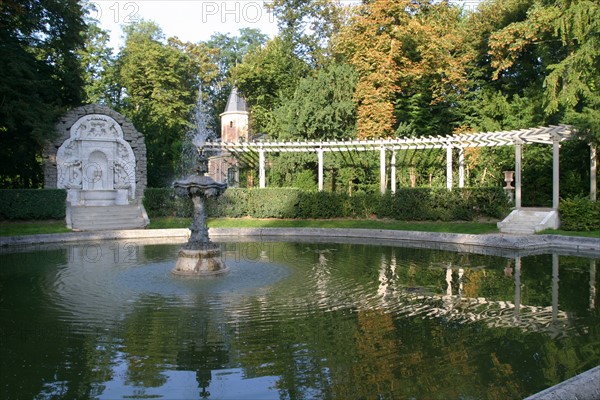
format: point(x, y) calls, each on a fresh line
point(320, 157)
point(382, 169)
point(593, 172)
point(261, 169)
point(393, 172)
point(518, 157)
point(449, 167)
point(461, 167)
point(555, 172)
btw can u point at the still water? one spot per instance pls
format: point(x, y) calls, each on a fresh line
point(293, 321)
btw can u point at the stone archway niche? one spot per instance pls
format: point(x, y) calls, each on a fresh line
point(95, 164)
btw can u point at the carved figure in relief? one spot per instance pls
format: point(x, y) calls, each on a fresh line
point(74, 175)
point(123, 153)
point(121, 177)
point(98, 129)
point(113, 130)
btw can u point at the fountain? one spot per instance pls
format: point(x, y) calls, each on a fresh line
point(199, 256)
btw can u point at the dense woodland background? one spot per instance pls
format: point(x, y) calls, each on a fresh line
point(386, 68)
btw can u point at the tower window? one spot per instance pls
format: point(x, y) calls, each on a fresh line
point(231, 124)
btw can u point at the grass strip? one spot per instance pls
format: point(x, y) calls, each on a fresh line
point(19, 228)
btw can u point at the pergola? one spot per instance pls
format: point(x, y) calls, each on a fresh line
point(552, 135)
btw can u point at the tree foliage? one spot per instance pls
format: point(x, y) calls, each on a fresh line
point(321, 106)
point(566, 35)
point(383, 68)
point(267, 78)
point(159, 82)
point(408, 55)
point(40, 75)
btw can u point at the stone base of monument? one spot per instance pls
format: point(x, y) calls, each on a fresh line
point(204, 262)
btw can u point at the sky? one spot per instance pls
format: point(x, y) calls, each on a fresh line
point(190, 20)
point(194, 20)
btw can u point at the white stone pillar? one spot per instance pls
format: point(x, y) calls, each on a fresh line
point(518, 157)
point(393, 173)
point(382, 169)
point(261, 169)
point(593, 172)
point(320, 157)
point(555, 173)
point(449, 167)
point(461, 167)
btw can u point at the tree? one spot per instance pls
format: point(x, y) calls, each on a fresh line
point(267, 77)
point(100, 80)
point(321, 107)
point(308, 25)
point(571, 73)
point(40, 75)
point(226, 52)
point(159, 86)
point(407, 54)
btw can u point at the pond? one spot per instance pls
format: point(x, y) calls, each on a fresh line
point(302, 320)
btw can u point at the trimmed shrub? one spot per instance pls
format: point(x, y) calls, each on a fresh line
point(579, 214)
point(32, 203)
point(409, 204)
point(162, 202)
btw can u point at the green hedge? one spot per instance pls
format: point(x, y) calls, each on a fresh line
point(579, 214)
point(421, 204)
point(32, 203)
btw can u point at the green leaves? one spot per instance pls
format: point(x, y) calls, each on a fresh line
point(564, 37)
point(322, 106)
point(579, 214)
point(40, 75)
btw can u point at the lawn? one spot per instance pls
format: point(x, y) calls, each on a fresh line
point(15, 228)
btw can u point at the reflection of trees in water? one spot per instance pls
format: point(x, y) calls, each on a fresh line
point(368, 350)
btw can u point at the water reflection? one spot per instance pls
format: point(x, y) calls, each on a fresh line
point(293, 320)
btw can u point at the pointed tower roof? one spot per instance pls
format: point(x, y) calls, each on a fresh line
point(236, 103)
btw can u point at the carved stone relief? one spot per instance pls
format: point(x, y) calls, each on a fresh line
point(96, 158)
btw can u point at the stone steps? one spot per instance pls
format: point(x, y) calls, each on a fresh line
point(527, 221)
point(95, 218)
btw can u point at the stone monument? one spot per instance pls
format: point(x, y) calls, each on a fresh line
point(100, 159)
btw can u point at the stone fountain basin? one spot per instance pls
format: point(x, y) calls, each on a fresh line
point(200, 185)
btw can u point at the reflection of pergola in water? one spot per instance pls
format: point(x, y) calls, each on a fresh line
point(454, 305)
point(251, 151)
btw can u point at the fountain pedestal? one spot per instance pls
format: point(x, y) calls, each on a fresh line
point(205, 262)
point(199, 256)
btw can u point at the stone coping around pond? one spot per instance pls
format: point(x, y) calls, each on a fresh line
point(585, 386)
point(530, 243)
